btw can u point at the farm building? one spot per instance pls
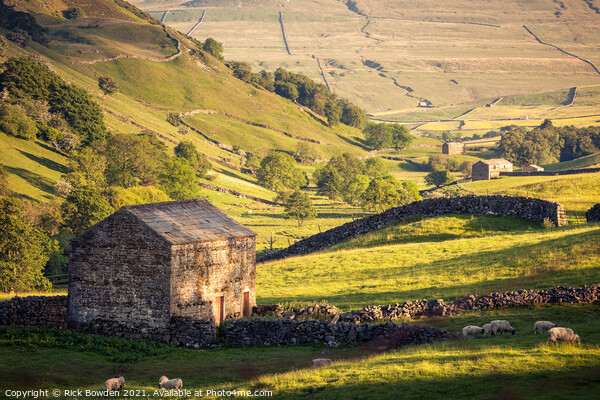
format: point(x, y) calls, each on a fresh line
point(532, 168)
point(490, 169)
point(147, 265)
point(453, 148)
point(425, 103)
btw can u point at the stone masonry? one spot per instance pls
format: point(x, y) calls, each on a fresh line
point(507, 206)
point(160, 271)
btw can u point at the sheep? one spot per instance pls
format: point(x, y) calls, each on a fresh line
point(321, 362)
point(115, 383)
point(487, 329)
point(542, 326)
point(563, 334)
point(166, 383)
point(501, 326)
point(471, 330)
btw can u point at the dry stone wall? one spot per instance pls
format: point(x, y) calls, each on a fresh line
point(551, 173)
point(260, 332)
point(507, 206)
point(353, 327)
point(437, 307)
point(51, 312)
point(593, 214)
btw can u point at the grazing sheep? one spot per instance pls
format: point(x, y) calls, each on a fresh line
point(321, 362)
point(501, 326)
point(487, 329)
point(115, 383)
point(563, 334)
point(166, 383)
point(472, 330)
point(542, 326)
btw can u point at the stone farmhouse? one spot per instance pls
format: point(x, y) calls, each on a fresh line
point(453, 148)
point(490, 169)
point(146, 266)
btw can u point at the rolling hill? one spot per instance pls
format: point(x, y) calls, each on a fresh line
point(388, 55)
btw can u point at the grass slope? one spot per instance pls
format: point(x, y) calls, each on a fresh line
point(357, 277)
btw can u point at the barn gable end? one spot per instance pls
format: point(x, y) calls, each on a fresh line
point(147, 268)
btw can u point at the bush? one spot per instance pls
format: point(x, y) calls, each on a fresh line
point(15, 122)
point(73, 13)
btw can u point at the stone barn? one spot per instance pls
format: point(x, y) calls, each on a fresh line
point(146, 266)
point(490, 169)
point(532, 168)
point(453, 148)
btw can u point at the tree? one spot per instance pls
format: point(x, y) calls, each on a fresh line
point(108, 85)
point(134, 159)
point(439, 177)
point(353, 116)
point(329, 182)
point(306, 153)
point(23, 250)
point(355, 192)
point(4, 189)
point(278, 171)
point(382, 194)
point(287, 90)
point(375, 167)
point(333, 112)
point(15, 122)
point(214, 48)
point(299, 207)
point(187, 150)
point(266, 80)
point(401, 136)
point(73, 13)
point(83, 207)
point(88, 167)
point(179, 180)
point(378, 135)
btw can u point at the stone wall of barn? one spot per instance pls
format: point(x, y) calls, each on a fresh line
point(507, 206)
point(202, 271)
point(119, 278)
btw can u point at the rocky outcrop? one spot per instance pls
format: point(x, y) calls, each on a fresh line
point(507, 206)
point(593, 214)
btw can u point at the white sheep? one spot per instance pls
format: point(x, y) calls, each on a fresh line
point(115, 383)
point(471, 330)
point(542, 326)
point(501, 326)
point(487, 329)
point(321, 362)
point(563, 334)
point(166, 383)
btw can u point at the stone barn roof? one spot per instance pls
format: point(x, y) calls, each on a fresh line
point(188, 221)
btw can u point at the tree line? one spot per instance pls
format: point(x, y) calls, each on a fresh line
point(547, 144)
point(106, 171)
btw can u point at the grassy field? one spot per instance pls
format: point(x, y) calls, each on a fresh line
point(448, 54)
point(355, 277)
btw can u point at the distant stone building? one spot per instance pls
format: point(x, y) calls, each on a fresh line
point(532, 168)
point(490, 169)
point(149, 266)
point(453, 148)
point(425, 103)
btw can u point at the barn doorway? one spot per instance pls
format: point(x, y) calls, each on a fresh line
point(246, 305)
point(220, 314)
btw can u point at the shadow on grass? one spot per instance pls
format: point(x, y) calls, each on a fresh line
point(46, 162)
point(34, 179)
point(355, 141)
point(543, 275)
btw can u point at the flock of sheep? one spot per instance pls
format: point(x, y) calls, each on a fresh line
point(555, 333)
point(117, 383)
